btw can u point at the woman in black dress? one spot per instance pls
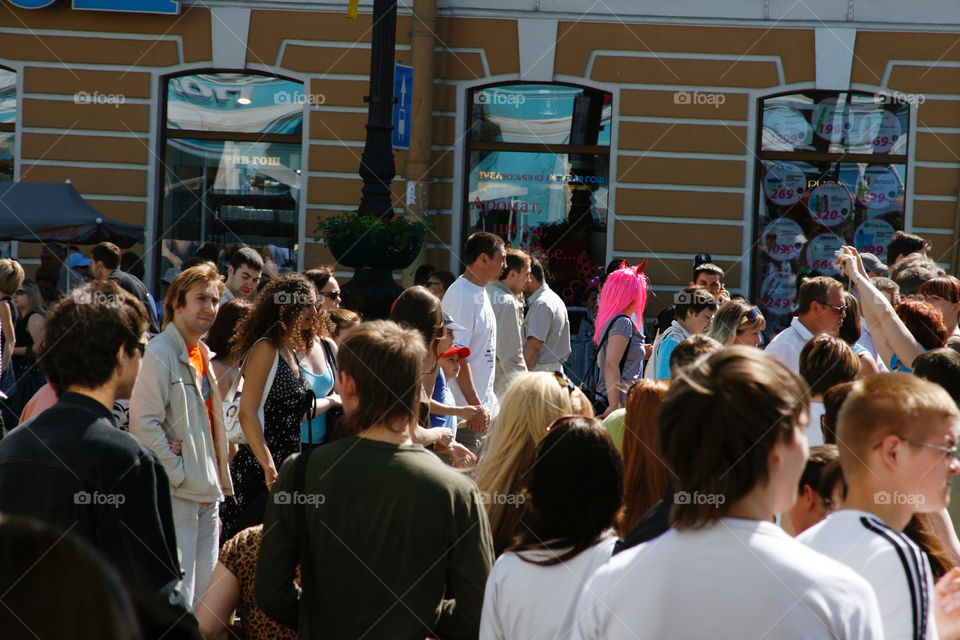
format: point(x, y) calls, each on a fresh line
point(30, 328)
point(281, 323)
point(11, 277)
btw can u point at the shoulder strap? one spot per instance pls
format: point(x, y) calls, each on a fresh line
point(300, 486)
point(333, 361)
point(606, 334)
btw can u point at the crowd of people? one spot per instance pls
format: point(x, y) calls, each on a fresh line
point(247, 459)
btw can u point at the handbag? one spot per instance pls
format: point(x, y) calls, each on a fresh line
point(231, 405)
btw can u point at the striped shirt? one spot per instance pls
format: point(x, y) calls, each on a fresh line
point(894, 565)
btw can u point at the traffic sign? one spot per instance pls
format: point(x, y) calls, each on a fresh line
point(403, 105)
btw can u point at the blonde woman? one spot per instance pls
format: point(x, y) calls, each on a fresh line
point(11, 278)
point(531, 403)
point(737, 322)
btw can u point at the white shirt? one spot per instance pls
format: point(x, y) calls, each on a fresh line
point(734, 579)
point(788, 343)
point(529, 602)
point(814, 431)
point(470, 307)
point(896, 567)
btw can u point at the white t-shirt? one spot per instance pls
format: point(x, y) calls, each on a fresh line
point(788, 344)
point(814, 430)
point(470, 307)
point(734, 579)
point(529, 601)
point(896, 567)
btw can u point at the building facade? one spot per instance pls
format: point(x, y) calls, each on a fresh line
point(764, 133)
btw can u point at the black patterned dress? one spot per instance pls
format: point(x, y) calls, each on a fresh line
point(283, 413)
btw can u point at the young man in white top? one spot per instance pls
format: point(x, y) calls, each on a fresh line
point(505, 296)
point(467, 303)
point(897, 437)
point(821, 310)
point(732, 430)
point(546, 329)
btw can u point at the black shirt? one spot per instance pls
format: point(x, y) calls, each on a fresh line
point(134, 286)
point(71, 467)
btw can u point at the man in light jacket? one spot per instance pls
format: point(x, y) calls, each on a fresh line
point(176, 411)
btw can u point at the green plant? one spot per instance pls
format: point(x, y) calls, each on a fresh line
point(399, 230)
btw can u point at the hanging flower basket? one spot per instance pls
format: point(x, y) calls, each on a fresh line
point(369, 241)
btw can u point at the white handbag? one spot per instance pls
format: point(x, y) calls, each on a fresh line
point(231, 405)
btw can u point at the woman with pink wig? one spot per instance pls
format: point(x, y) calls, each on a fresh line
point(618, 336)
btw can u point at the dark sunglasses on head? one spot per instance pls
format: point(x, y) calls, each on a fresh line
point(753, 314)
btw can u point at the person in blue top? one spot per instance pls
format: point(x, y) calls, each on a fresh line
point(694, 311)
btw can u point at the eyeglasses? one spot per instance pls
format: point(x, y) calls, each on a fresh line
point(837, 310)
point(142, 348)
point(953, 451)
point(333, 295)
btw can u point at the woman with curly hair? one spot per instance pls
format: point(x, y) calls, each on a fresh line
point(281, 324)
point(530, 404)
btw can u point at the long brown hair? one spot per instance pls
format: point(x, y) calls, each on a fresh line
point(921, 532)
point(276, 315)
point(645, 474)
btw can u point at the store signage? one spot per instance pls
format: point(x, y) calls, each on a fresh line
point(168, 7)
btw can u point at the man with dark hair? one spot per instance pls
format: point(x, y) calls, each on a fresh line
point(243, 274)
point(904, 244)
point(694, 311)
point(911, 277)
point(176, 400)
point(710, 277)
point(734, 470)
point(382, 553)
point(941, 366)
point(71, 466)
point(508, 310)
point(820, 487)
point(546, 328)
point(822, 309)
point(689, 350)
point(467, 302)
point(105, 265)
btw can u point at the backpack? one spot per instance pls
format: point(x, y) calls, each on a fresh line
point(591, 381)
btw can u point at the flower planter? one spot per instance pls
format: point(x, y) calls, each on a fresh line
point(377, 250)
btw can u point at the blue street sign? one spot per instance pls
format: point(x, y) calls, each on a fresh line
point(403, 107)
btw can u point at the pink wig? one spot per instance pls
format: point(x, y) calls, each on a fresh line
point(621, 288)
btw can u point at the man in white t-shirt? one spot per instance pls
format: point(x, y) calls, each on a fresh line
point(821, 310)
point(897, 437)
point(726, 570)
point(467, 303)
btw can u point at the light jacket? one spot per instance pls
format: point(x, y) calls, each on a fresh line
point(167, 404)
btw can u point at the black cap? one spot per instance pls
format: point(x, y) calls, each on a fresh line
point(701, 258)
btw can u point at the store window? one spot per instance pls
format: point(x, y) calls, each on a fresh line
point(538, 176)
point(231, 169)
point(831, 171)
point(8, 122)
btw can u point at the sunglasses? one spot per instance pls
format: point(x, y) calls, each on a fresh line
point(142, 348)
point(752, 314)
point(433, 283)
point(837, 310)
point(333, 295)
point(20, 292)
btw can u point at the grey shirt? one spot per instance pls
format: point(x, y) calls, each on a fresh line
point(547, 321)
point(508, 310)
point(633, 365)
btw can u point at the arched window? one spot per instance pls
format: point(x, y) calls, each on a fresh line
point(232, 146)
point(831, 171)
point(538, 176)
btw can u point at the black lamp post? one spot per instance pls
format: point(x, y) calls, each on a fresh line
point(377, 168)
point(372, 289)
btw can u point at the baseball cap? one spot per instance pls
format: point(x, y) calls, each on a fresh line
point(453, 326)
point(78, 260)
point(874, 264)
point(463, 352)
point(701, 258)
